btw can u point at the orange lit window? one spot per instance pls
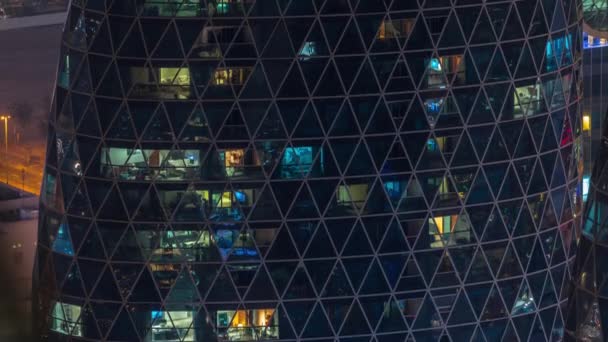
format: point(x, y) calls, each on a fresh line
point(399, 28)
point(263, 317)
point(240, 319)
point(252, 318)
point(230, 76)
point(234, 157)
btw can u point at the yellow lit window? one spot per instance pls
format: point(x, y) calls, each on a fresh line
point(225, 200)
point(445, 224)
point(440, 229)
point(586, 122)
point(355, 193)
point(174, 76)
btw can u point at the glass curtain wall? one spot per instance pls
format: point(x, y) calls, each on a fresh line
point(238, 170)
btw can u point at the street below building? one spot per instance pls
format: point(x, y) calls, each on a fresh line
point(27, 73)
point(22, 168)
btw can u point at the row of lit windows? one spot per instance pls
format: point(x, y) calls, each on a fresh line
point(175, 246)
point(175, 83)
point(178, 165)
point(192, 8)
point(168, 326)
point(591, 41)
point(263, 324)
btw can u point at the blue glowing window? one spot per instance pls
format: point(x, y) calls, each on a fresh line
point(240, 196)
point(63, 243)
point(309, 49)
point(297, 156)
point(556, 48)
point(431, 145)
point(222, 8)
point(433, 106)
point(435, 64)
point(393, 189)
point(157, 315)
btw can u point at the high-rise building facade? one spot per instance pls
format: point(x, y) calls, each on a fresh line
point(587, 306)
point(586, 318)
point(235, 170)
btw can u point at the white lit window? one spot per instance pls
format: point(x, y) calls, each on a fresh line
point(169, 326)
point(65, 319)
point(586, 183)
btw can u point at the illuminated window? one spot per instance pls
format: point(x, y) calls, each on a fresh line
point(186, 238)
point(227, 199)
point(586, 183)
point(63, 243)
point(440, 71)
point(558, 50)
point(225, 240)
point(297, 156)
point(448, 230)
point(174, 76)
point(433, 106)
point(586, 122)
point(65, 319)
point(527, 100)
point(230, 76)
point(175, 245)
point(308, 50)
point(243, 325)
point(223, 6)
point(136, 164)
point(296, 161)
point(172, 326)
point(589, 40)
point(234, 160)
point(394, 189)
point(436, 144)
point(397, 28)
point(173, 83)
point(223, 200)
point(354, 194)
point(169, 8)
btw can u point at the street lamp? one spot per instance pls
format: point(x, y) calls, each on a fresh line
point(5, 118)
